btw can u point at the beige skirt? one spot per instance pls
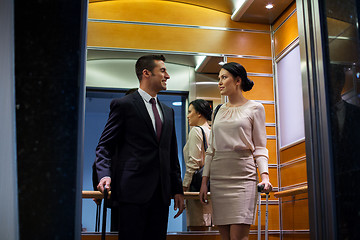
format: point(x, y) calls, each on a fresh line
point(233, 186)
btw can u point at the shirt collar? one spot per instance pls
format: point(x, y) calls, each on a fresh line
point(146, 96)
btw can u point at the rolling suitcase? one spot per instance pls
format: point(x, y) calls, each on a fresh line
point(260, 188)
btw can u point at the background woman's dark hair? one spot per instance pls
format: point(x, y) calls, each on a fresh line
point(236, 70)
point(203, 107)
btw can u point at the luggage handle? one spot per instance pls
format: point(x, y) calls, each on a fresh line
point(260, 189)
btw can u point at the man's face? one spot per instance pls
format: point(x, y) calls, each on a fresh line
point(159, 76)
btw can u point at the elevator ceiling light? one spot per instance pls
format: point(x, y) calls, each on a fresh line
point(177, 104)
point(269, 6)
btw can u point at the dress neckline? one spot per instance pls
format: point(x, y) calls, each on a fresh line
point(236, 106)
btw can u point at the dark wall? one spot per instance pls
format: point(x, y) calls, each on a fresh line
point(49, 85)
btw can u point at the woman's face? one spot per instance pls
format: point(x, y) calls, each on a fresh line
point(227, 84)
point(193, 116)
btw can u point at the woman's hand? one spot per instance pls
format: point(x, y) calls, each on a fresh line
point(265, 181)
point(204, 191)
point(185, 189)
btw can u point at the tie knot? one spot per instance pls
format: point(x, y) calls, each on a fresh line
point(152, 101)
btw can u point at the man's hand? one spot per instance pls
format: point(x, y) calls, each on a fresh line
point(179, 204)
point(104, 181)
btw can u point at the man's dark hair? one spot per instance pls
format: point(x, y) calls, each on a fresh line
point(146, 62)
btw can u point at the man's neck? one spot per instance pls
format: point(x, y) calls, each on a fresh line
point(148, 91)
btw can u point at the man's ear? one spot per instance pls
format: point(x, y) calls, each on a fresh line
point(146, 73)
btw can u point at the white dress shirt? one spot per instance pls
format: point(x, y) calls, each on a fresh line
point(146, 97)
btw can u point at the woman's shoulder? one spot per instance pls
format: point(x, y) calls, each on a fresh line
point(255, 105)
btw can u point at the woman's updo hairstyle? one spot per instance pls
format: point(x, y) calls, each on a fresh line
point(236, 70)
point(203, 107)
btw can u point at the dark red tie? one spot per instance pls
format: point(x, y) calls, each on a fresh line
point(158, 123)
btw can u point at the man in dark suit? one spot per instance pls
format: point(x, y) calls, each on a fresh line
point(137, 156)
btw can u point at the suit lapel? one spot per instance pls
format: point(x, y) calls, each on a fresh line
point(141, 108)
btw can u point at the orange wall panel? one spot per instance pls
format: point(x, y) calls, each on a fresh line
point(273, 218)
point(295, 215)
point(118, 35)
point(293, 174)
point(271, 146)
point(171, 12)
point(286, 34)
point(270, 131)
point(269, 113)
point(254, 65)
point(263, 89)
point(283, 16)
point(293, 152)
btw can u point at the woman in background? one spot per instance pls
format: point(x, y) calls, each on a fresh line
point(199, 113)
point(237, 147)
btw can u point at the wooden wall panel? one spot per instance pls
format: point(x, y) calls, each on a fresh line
point(274, 222)
point(253, 236)
point(171, 12)
point(296, 236)
point(117, 35)
point(271, 131)
point(293, 174)
point(254, 65)
point(286, 34)
point(293, 152)
point(270, 113)
point(263, 89)
point(295, 215)
point(283, 16)
point(271, 146)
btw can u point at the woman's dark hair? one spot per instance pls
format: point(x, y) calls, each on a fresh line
point(203, 107)
point(237, 70)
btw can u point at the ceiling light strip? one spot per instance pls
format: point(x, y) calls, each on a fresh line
point(178, 25)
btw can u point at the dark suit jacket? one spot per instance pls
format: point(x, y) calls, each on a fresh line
point(129, 152)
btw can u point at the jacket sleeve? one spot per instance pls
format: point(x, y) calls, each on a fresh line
point(106, 145)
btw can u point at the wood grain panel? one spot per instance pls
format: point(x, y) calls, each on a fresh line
point(296, 236)
point(293, 174)
point(271, 131)
point(253, 236)
point(263, 89)
point(254, 65)
point(117, 35)
point(173, 12)
point(294, 152)
point(269, 113)
point(286, 34)
point(295, 215)
point(271, 146)
point(274, 222)
point(283, 16)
